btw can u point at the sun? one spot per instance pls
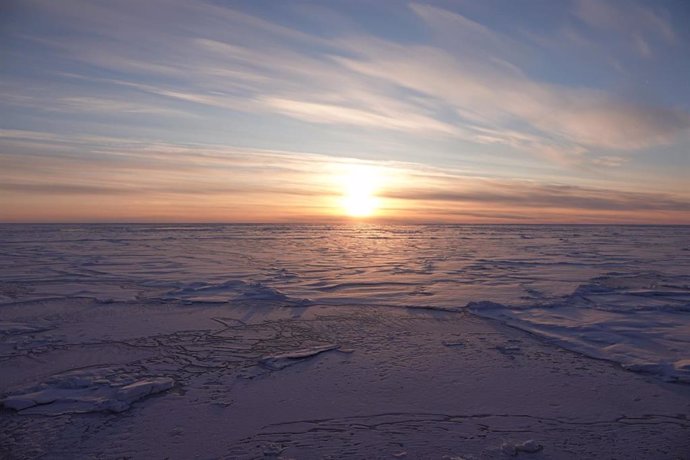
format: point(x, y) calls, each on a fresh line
point(359, 203)
point(360, 183)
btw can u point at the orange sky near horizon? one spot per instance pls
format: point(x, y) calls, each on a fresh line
point(202, 184)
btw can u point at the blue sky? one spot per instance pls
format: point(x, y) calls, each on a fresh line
point(496, 111)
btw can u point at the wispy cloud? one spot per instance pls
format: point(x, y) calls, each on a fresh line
point(638, 25)
point(148, 181)
point(483, 81)
point(466, 81)
point(514, 194)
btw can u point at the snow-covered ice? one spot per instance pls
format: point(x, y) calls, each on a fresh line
point(214, 341)
point(85, 391)
point(640, 321)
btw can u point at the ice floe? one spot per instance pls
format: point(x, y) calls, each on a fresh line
point(84, 391)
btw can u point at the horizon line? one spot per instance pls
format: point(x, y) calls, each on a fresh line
point(359, 222)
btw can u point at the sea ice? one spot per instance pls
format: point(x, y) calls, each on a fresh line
point(205, 304)
point(284, 360)
point(640, 322)
point(85, 391)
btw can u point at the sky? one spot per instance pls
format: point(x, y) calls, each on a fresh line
point(526, 111)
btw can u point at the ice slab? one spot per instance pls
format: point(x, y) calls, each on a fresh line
point(283, 360)
point(85, 391)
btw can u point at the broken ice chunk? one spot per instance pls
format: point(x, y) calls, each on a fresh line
point(138, 390)
point(530, 446)
point(84, 392)
point(283, 360)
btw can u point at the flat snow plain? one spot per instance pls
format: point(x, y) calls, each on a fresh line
point(380, 343)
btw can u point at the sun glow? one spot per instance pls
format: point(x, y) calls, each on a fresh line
point(360, 184)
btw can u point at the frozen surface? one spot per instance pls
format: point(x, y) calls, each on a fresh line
point(641, 321)
point(84, 391)
point(615, 292)
point(344, 341)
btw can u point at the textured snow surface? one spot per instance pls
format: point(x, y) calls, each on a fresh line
point(640, 321)
point(344, 342)
point(616, 292)
point(125, 380)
